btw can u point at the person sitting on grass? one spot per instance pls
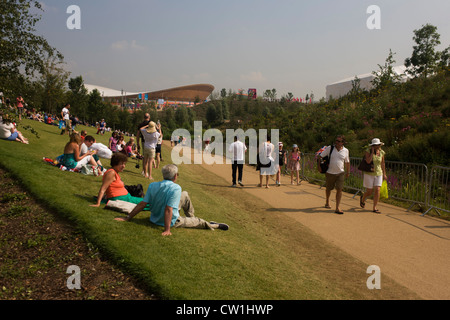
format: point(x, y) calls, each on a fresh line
point(113, 186)
point(72, 159)
point(9, 132)
point(165, 200)
point(102, 151)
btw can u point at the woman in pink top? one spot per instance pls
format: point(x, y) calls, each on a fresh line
point(294, 163)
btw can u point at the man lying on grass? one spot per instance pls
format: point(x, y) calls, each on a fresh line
point(165, 199)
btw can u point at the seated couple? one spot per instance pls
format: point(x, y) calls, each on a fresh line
point(73, 159)
point(164, 199)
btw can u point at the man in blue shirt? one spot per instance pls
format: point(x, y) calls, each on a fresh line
point(165, 199)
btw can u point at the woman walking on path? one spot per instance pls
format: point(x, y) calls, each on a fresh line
point(373, 180)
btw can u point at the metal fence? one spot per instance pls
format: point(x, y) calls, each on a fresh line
point(439, 190)
point(409, 182)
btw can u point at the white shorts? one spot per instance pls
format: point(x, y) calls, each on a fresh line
point(372, 181)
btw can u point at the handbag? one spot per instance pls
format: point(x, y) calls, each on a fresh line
point(324, 163)
point(366, 167)
point(384, 194)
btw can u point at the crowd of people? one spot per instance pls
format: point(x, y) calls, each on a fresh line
point(337, 171)
point(165, 199)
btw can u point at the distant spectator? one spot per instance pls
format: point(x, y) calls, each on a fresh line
point(139, 137)
point(151, 136)
point(282, 159)
point(294, 163)
point(65, 115)
point(112, 144)
point(20, 107)
point(237, 149)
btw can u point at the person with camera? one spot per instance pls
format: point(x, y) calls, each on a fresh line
point(338, 170)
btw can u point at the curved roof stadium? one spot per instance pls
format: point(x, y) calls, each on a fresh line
point(184, 93)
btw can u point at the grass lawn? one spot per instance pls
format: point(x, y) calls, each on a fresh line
point(263, 256)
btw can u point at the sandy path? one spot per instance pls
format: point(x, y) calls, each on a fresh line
point(409, 248)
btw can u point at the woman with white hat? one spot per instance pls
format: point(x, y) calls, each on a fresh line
point(373, 180)
point(150, 135)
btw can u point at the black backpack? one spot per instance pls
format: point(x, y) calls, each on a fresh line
point(136, 190)
point(323, 163)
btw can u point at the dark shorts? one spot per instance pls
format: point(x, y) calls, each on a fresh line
point(335, 181)
point(158, 148)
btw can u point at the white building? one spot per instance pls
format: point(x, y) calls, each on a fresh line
point(342, 87)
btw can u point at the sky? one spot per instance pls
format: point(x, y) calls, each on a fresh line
point(294, 46)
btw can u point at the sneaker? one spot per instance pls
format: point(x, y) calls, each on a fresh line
point(233, 185)
point(240, 183)
point(221, 226)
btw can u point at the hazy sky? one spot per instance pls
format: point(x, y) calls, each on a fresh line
point(291, 45)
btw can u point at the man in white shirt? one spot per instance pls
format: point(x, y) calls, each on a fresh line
point(237, 149)
point(65, 114)
point(338, 169)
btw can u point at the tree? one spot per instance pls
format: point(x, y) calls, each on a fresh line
point(53, 85)
point(211, 114)
point(386, 76)
point(223, 93)
point(79, 99)
point(97, 110)
point(20, 48)
point(425, 58)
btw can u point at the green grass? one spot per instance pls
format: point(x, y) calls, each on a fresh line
point(264, 255)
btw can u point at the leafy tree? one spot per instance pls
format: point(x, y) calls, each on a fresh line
point(53, 85)
point(20, 48)
point(79, 100)
point(386, 77)
point(211, 114)
point(223, 93)
point(96, 109)
point(425, 58)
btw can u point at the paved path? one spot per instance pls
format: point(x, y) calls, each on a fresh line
point(409, 248)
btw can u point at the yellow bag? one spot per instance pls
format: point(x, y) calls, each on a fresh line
point(384, 190)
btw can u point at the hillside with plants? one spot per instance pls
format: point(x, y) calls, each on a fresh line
point(411, 118)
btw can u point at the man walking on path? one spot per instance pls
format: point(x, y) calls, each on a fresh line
point(338, 170)
point(237, 149)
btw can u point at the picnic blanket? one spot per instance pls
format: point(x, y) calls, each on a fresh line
point(86, 169)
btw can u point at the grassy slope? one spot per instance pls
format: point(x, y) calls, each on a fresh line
point(263, 255)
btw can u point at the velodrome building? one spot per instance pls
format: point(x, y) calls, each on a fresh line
point(186, 95)
point(342, 87)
